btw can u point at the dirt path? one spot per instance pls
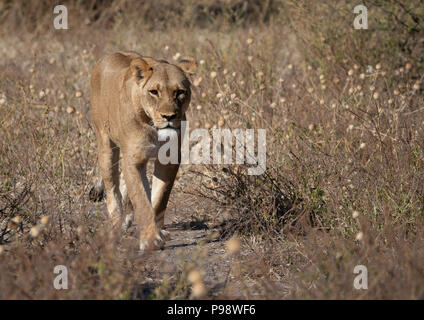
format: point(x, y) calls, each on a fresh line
point(193, 239)
point(193, 226)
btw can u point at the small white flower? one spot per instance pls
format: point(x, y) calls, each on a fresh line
point(198, 290)
point(197, 81)
point(177, 56)
point(35, 231)
point(416, 86)
point(195, 276)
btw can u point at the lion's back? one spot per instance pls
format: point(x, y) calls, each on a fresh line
point(105, 80)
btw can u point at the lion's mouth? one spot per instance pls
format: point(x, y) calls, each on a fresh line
point(165, 125)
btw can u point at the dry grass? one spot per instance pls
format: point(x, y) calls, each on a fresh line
point(344, 116)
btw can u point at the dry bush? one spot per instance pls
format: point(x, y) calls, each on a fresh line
point(350, 141)
point(346, 133)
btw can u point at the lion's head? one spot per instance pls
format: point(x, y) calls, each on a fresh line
point(162, 89)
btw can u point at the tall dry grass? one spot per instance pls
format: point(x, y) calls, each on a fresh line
point(343, 109)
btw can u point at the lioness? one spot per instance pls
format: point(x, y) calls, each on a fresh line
point(133, 100)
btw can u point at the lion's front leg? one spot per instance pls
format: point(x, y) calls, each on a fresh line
point(162, 183)
point(138, 190)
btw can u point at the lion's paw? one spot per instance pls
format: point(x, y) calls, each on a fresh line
point(155, 243)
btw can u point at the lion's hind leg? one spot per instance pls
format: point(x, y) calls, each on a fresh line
point(108, 157)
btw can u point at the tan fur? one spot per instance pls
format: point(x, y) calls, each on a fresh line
point(126, 114)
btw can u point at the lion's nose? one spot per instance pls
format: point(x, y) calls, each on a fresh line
point(169, 117)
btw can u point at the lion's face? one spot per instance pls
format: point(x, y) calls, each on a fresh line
point(166, 96)
point(164, 93)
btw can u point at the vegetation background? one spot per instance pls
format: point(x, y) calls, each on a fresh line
point(344, 114)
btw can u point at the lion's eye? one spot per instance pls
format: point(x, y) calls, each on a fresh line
point(180, 93)
point(154, 92)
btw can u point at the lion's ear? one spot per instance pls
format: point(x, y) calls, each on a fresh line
point(140, 69)
point(188, 65)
